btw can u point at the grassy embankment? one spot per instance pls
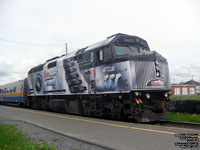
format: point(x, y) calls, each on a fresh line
point(185, 117)
point(13, 139)
point(190, 97)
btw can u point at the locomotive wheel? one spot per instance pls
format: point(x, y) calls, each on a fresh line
point(44, 105)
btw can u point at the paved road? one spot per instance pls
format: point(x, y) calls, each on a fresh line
point(113, 134)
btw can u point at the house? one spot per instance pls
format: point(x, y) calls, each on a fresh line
point(193, 82)
point(181, 89)
point(190, 87)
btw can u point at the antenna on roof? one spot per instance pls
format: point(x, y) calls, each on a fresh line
point(66, 47)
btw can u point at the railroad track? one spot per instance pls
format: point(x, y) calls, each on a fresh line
point(188, 125)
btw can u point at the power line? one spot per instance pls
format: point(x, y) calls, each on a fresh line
point(29, 43)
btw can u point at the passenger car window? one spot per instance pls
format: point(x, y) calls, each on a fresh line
point(14, 89)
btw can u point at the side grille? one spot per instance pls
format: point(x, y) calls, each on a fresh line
point(72, 76)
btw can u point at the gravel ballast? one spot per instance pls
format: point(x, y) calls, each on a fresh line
point(61, 141)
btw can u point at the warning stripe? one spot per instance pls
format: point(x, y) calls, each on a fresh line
point(15, 94)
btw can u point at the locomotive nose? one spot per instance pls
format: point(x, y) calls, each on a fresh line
point(149, 70)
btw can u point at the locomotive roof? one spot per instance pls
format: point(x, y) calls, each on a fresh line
point(107, 41)
point(101, 43)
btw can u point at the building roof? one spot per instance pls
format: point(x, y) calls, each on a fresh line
point(192, 82)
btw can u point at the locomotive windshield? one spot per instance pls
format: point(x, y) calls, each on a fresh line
point(129, 46)
point(126, 50)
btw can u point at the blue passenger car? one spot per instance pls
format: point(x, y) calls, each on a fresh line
point(12, 92)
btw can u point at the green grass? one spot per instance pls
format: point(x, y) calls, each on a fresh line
point(13, 139)
point(191, 97)
point(185, 117)
point(55, 139)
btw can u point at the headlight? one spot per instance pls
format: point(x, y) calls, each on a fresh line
point(156, 63)
point(158, 74)
point(148, 96)
point(166, 94)
point(136, 93)
point(157, 68)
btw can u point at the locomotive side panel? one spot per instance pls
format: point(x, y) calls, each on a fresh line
point(113, 78)
point(58, 77)
point(52, 78)
point(36, 84)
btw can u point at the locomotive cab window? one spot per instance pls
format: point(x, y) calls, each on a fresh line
point(92, 57)
point(99, 57)
point(126, 50)
point(107, 55)
point(122, 50)
point(134, 49)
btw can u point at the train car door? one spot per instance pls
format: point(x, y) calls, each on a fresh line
point(98, 60)
point(91, 74)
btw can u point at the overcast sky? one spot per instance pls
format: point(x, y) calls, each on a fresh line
point(172, 28)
